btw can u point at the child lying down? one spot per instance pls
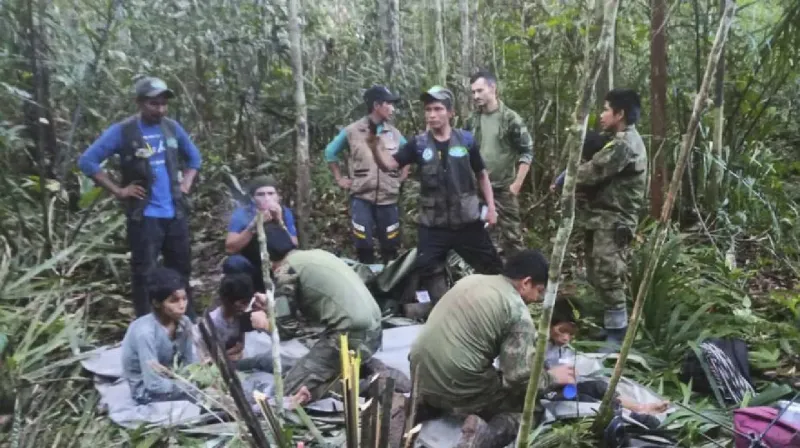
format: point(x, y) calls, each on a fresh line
point(156, 341)
point(563, 327)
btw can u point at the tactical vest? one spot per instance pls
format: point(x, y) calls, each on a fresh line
point(369, 182)
point(448, 196)
point(137, 169)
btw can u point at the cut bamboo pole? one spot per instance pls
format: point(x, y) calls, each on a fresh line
point(700, 105)
point(574, 143)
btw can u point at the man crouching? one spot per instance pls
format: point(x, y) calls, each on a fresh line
point(481, 318)
point(327, 292)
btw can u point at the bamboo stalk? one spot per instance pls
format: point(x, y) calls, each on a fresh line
point(272, 419)
point(411, 406)
point(411, 436)
point(700, 104)
point(384, 416)
point(257, 437)
point(574, 143)
point(277, 370)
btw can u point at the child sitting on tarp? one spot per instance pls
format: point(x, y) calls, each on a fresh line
point(563, 327)
point(159, 340)
point(231, 321)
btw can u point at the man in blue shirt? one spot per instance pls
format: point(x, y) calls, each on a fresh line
point(373, 193)
point(241, 243)
point(149, 147)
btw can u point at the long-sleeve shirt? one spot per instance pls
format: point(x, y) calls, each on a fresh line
point(147, 342)
point(110, 143)
point(481, 318)
point(325, 290)
point(339, 144)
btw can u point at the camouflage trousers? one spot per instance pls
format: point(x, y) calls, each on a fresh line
point(321, 367)
point(507, 234)
point(607, 270)
point(499, 408)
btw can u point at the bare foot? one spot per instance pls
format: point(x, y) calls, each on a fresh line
point(302, 396)
point(652, 408)
point(471, 426)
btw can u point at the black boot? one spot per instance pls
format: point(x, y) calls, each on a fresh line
point(497, 433)
point(388, 255)
point(366, 256)
point(614, 338)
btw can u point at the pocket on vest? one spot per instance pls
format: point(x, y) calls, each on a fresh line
point(470, 208)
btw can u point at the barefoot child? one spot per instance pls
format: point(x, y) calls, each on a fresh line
point(563, 327)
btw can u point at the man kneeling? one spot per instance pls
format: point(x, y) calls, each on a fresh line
point(158, 340)
point(481, 318)
point(328, 292)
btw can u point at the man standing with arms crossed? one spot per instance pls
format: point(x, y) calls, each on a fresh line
point(374, 194)
point(451, 173)
point(507, 148)
point(150, 146)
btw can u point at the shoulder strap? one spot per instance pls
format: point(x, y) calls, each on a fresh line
point(131, 134)
point(465, 137)
point(169, 128)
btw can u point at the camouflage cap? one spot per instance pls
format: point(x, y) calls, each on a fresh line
point(151, 87)
point(439, 93)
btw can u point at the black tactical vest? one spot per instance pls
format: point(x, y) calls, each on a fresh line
point(137, 169)
point(448, 195)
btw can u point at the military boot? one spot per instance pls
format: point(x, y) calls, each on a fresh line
point(614, 338)
point(498, 433)
point(418, 311)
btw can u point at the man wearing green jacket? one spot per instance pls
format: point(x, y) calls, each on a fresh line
point(507, 149)
point(617, 178)
point(481, 318)
point(327, 292)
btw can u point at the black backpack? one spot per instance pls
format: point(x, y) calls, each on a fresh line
point(719, 367)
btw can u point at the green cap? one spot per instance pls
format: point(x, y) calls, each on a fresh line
point(438, 93)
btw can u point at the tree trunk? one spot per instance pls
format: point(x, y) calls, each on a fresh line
point(658, 105)
point(573, 146)
point(392, 39)
point(466, 57)
point(605, 412)
point(301, 127)
point(441, 56)
point(715, 177)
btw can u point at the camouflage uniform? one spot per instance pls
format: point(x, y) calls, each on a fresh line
point(327, 292)
point(481, 318)
point(616, 176)
point(503, 148)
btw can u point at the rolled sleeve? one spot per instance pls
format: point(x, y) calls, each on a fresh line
point(522, 139)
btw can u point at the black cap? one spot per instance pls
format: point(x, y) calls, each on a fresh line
point(151, 87)
point(438, 93)
point(380, 94)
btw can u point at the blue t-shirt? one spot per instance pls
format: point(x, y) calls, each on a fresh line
point(110, 143)
point(242, 216)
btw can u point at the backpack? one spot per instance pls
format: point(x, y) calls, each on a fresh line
point(757, 427)
point(719, 367)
